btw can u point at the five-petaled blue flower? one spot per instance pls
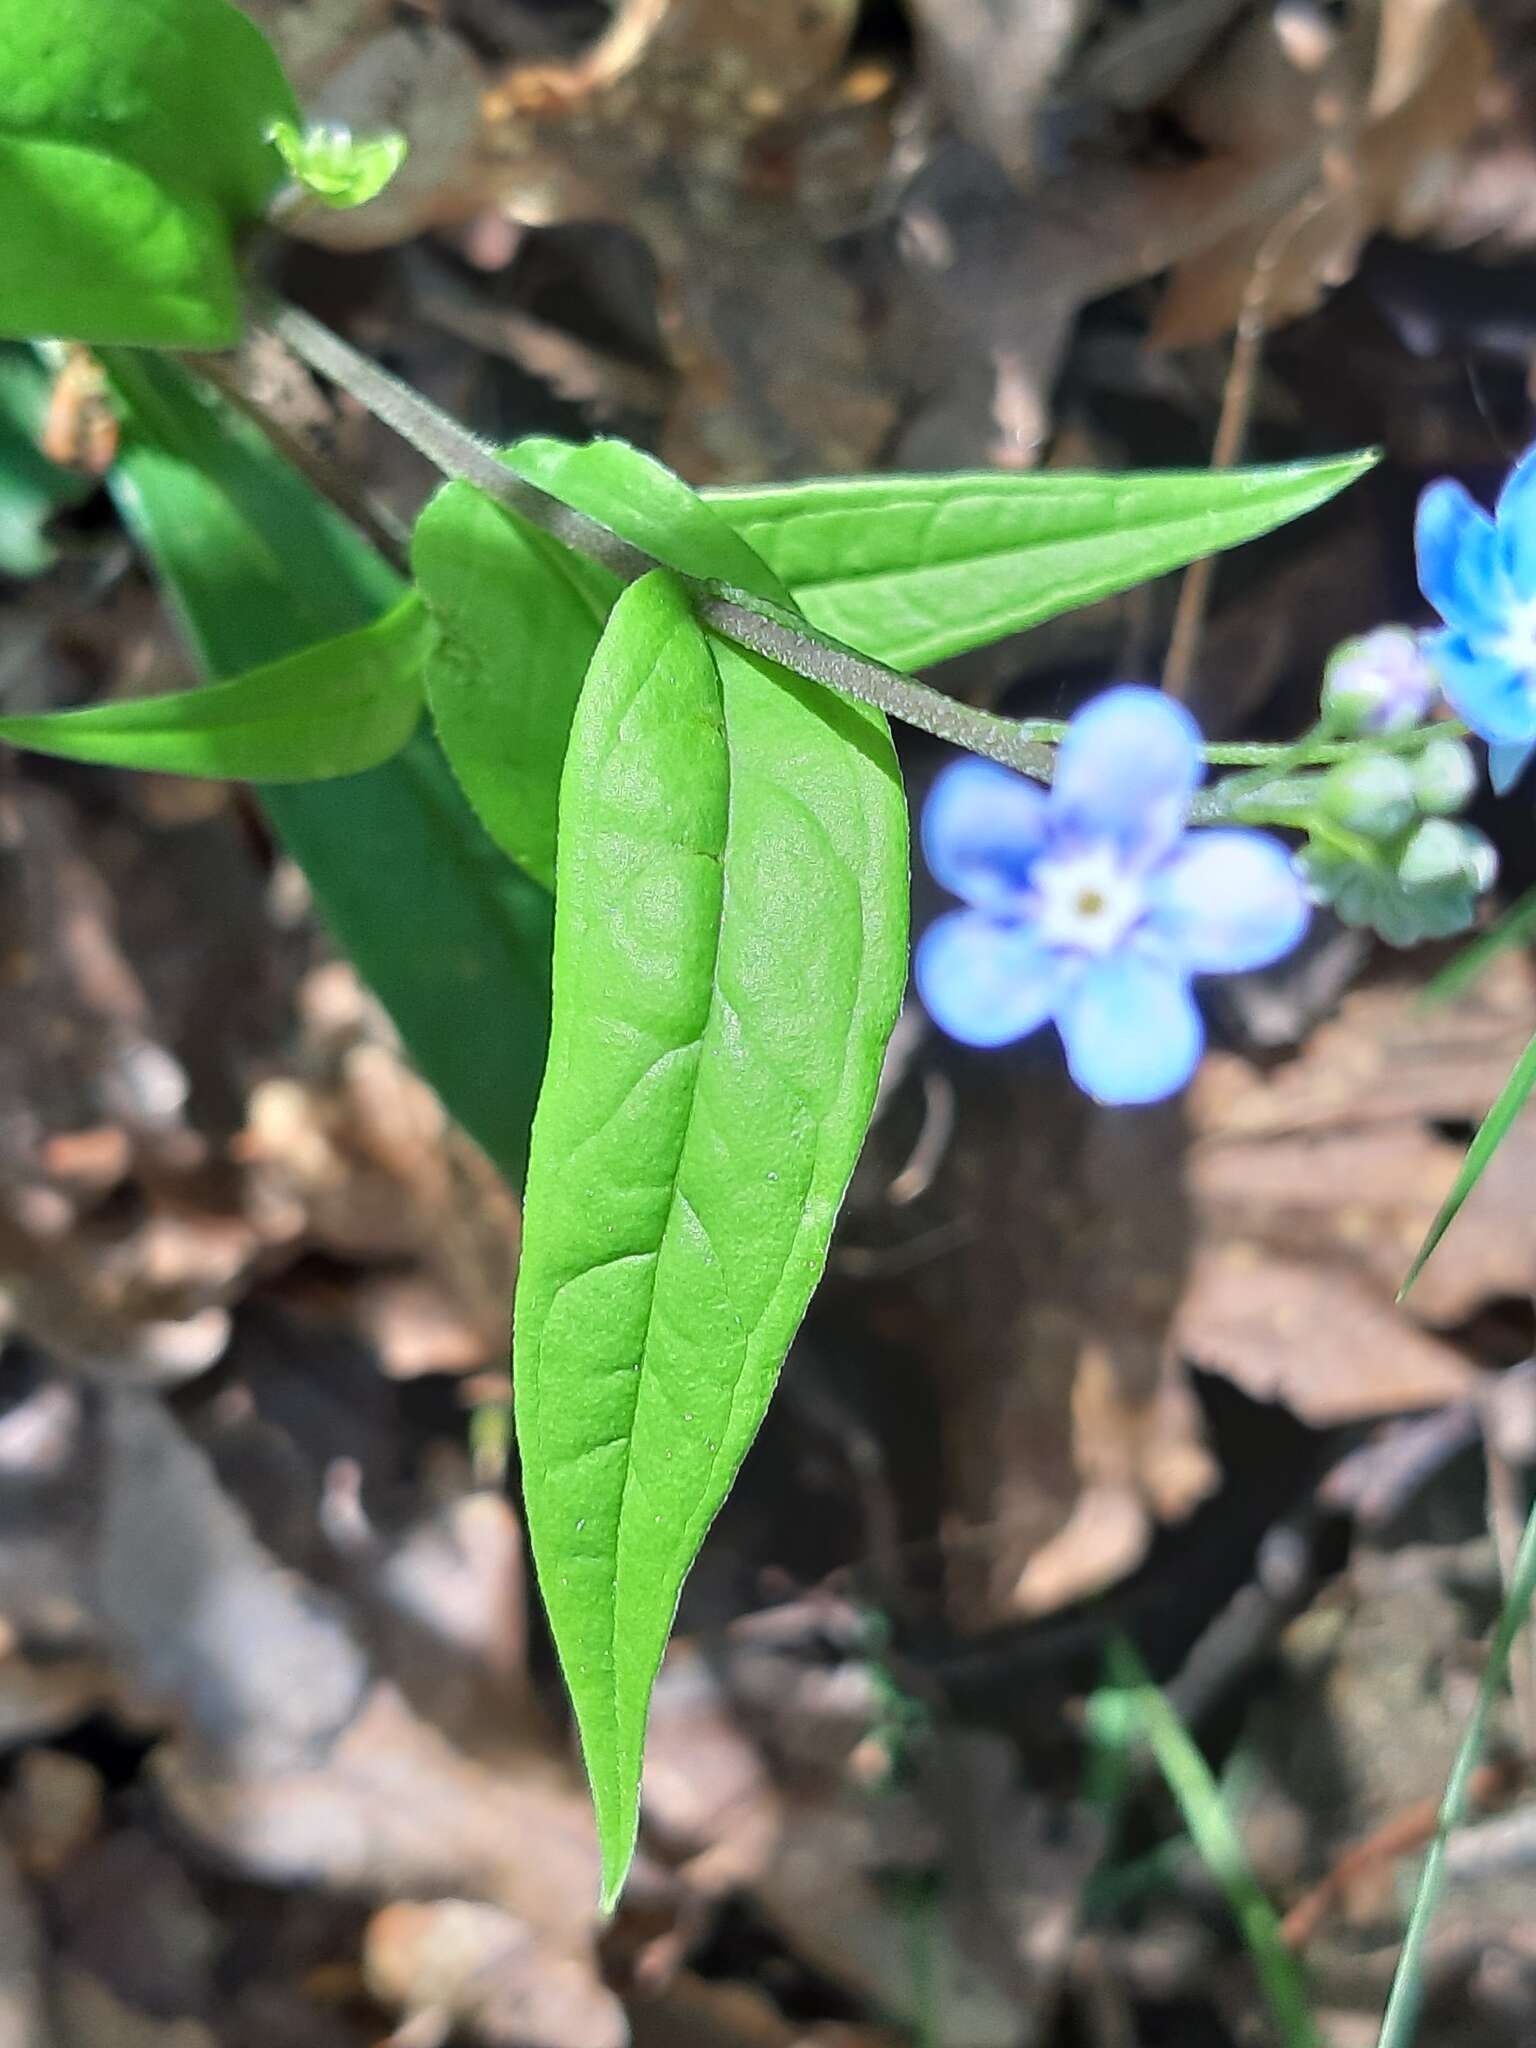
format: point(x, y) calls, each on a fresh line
point(1479, 573)
point(1092, 906)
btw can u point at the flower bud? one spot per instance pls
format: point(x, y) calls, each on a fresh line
point(1444, 777)
point(1381, 682)
point(1441, 853)
point(1373, 794)
point(335, 166)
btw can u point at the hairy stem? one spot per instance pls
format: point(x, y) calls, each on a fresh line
point(1027, 746)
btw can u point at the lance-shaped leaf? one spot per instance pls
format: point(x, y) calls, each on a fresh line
point(730, 952)
point(334, 709)
point(452, 938)
point(518, 618)
point(913, 569)
point(133, 148)
point(1488, 1137)
point(642, 500)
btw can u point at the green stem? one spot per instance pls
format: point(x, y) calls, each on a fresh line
point(1400, 2020)
point(1027, 746)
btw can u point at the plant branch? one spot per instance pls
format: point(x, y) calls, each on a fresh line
point(1026, 746)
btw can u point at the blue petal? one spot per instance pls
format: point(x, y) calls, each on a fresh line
point(1127, 769)
point(987, 983)
point(1461, 570)
point(1225, 902)
point(982, 827)
point(1506, 763)
point(1131, 1029)
point(1517, 524)
point(1496, 700)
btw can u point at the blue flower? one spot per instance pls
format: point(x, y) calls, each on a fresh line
point(1091, 906)
point(1479, 573)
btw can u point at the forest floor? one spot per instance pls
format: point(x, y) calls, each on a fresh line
point(283, 1760)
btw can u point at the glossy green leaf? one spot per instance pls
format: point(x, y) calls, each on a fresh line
point(911, 570)
point(32, 488)
point(1490, 1134)
point(451, 937)
point(640, 499)
point(335, 166)
point(133, 148)
point(730, 953)
point(333, 709)
point(518, 618)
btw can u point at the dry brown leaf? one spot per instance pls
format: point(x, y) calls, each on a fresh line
point(993, 66)
point(23, 2008)
point(1314, 1185)
point(1323, 1344)
point(478, 1971)
point(1068, 1433)
point(1372, 116)
point(709, 1804)
point(699, 2012)
point(91, 2016)
point(53, 1809)
point(729, 136)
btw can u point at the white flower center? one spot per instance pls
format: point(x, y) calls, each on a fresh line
point(1086, 901)
point(1518, 641)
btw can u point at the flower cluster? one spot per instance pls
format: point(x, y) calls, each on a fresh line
point(1091, 906)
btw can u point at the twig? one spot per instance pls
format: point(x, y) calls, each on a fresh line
point(1404, 1832)
point(226, 374)
point(1231, 432)
point(796, 647)
point(1028, 746)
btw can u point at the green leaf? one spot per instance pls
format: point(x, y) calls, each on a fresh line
point(133, 147)
point(32, 488)
point(1399, 2023)
point(730, 953)
point(333, 709)
point(911, 570)
point(451, 937)
point(519, 618)
point(640, 499)
point(338, 168)
point(1491, 1133)
point(1135, 1701)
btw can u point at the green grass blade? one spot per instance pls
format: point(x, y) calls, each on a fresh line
point(1220, 1847)
point(1516, 925)
point(1491, 1133)
point(1401, 2017)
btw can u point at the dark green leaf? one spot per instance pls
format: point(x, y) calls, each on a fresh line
point(911, 570)
point(518, 620)
point(337, 708)
point(730, 953)
point(452, 938)
point(1491, 1133)
point(133, 148)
